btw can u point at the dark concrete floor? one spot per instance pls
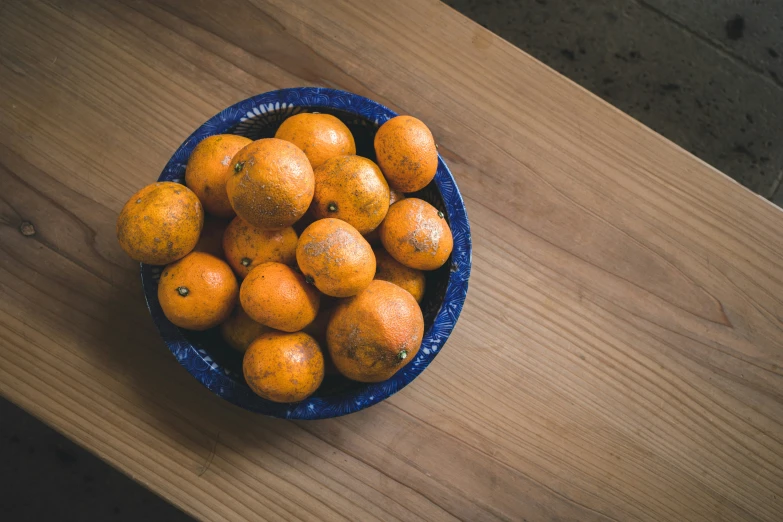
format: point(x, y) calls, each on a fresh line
point(707, 74)
point(44, 476)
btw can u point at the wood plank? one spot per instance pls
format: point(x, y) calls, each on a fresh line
point(619, 355)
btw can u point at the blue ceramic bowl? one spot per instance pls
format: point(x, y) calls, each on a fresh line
point(217, 366)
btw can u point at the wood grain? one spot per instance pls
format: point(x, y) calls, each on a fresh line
point(619, 355)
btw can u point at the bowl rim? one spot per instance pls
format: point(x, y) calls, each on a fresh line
point(221, 381)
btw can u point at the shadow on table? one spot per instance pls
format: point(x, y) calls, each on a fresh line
point(162, 394)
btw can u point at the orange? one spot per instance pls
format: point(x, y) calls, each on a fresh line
point(374, 334)
point(284, 367)
point(211, 239)
point(406, 153)
point(209, 167)
point(394, 196)
point(197, 292)
point(353, 189)
point(416, 234)
point(277, 296)
point(318, 327)
point(391, 270)
point(239, 330)
point(335, 257)
point(247, 246)
point(317, 330)
point(272, 184)
point(305, 222)
point(320, 136)
point(160, 223)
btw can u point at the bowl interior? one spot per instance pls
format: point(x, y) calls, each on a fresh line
point(363, 132)
point(219, 367)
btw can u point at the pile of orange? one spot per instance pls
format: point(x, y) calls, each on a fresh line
point(342, 294)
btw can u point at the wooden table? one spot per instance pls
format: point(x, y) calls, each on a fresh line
point(619, 355)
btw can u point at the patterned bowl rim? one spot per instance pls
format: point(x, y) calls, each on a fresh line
point(220, 380)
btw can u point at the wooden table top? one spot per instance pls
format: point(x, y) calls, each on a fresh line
point(619, 354)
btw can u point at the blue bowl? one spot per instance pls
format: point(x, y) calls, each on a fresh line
point(216, 365)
